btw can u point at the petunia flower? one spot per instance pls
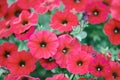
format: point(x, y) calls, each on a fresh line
point(22, 63)
point(43, 44)
point(67, 46)
point(112, 30)
point(99, 67)
point(64, 21)
point(24, 22)
point(7, 50)
point(77, 63)
point(97, 11)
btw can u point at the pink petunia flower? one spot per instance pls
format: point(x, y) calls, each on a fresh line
point(43, 44)
point(97, 12)
point(77, 63)
point(64, 21)
point(57, 77)
point(99, 67)
point(24, 22)
point(67, 45)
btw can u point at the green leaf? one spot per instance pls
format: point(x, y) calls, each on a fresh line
point(76, 30)
point(80, 16)
point(81, 36)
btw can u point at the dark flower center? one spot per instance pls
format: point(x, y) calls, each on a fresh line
point(77, 1)
point(43, 44)
point(116, 30)
point(50, 59)
point(106, 3)
point(114, 75)
point(7, 54)
point(22, 63)
point(64, 22)
point(95, 12)
point(24, 78)
point(99, 68)
point(25, 31)
point(79, 63)
point(17, 13)
point(48, 4)
point(93, 55)
point(65, 50)
point(25, 22)
point(8, 26)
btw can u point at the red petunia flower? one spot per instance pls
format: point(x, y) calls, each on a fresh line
point(58, 77)
point(3, 7)
point(6, 51)
point(49, 63)
point(78, 63)
point(5, 29)
point(67, 45)
point(46, 5)
point(112, 30)
point(22, 63)
point(63, 21)
point(26, 34)
point(24, 22)
point(97, 11)
point(78, 5)
point(99, 67)
point(21, 77)
point(115, 71)
point(27, 4)
point(13, 12)
point(115, 9)
point(43, 44)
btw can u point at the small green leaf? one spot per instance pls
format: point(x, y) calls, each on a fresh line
point(81, 36)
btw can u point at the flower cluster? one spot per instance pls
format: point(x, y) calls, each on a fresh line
point(28, 47)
